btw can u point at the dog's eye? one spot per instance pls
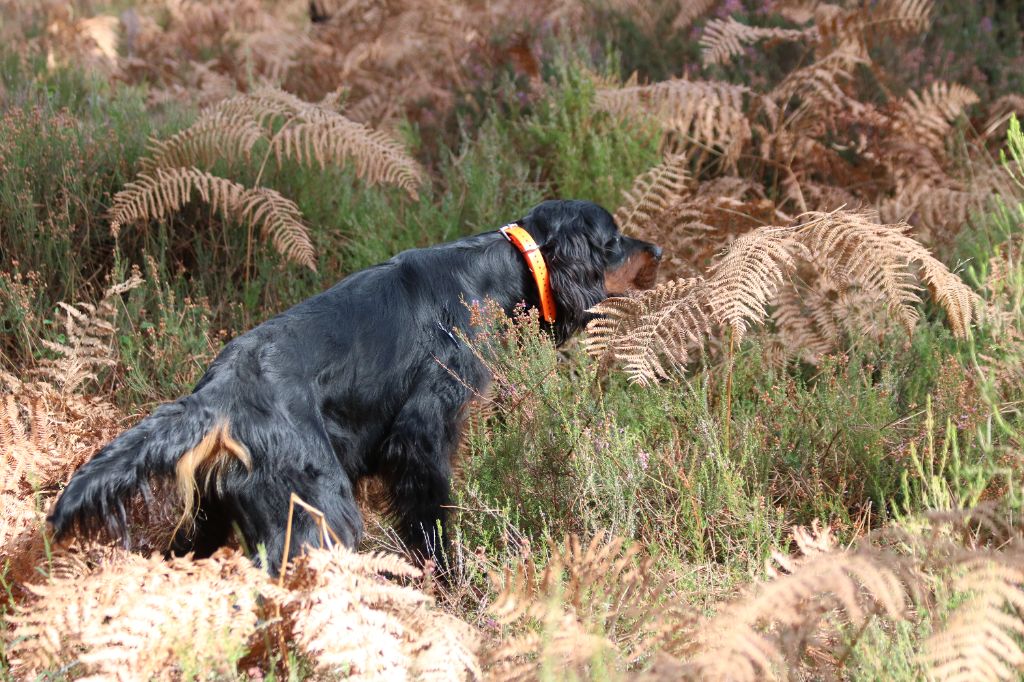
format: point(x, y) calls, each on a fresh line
point(614, 242)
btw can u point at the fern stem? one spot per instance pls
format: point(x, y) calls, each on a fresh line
point(248, 252)
point(256, 183)
point(728, 389)
point(280, 583)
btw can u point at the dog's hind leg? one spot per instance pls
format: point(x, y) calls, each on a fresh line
point(305, 464)
point(210, 529)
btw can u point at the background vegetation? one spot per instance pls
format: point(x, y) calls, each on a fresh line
point(799, 457)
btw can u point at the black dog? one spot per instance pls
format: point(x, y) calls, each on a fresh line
point(363, 379)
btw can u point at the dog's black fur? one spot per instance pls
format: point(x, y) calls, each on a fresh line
point(363, 379)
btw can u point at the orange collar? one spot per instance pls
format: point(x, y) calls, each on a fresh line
point(535, 261)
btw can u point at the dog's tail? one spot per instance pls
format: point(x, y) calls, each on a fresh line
point(184, 440)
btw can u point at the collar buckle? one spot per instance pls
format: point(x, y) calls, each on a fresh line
point(525, 249)
point(524, 242)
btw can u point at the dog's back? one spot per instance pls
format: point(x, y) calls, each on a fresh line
point(366, 378)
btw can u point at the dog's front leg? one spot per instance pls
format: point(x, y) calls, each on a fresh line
point(417, 456)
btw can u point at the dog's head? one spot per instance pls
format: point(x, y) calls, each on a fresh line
point(588, 259)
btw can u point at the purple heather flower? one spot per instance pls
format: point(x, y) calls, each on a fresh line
point(728, 7)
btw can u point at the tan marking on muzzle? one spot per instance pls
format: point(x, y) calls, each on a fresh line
point(638, 272)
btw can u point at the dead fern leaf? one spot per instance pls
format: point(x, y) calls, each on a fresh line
point(293, 129)
point(999, 113)
point(748, 275)
point(334, 139)
point(265, 105)
point(926, 118)
point(819, 87)
point(811, 317)
point(89, 344)
point(693, 231)
point(23, 450)
point(701, 115)
point(281, 220)
point(801, 11)
point(724, 39)
point(767, 633)
point(215, 136)
point(689, 12)
point(584, 592)
point(872, 22)
point(654, 333)
point(157, 195)
point(115, 621)
point(980, 641)
point(351, 619)
point(652, 193)
point(855, 249)
point(878, 258)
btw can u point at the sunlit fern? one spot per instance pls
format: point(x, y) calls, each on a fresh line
point(591, 597)
point(277, 124)
point(701, 118)
point(350, 620)
point(114, 621)
point(654, 332)
point(653, 192)
point(89, 342)
point(689, 12)
point(165, 191)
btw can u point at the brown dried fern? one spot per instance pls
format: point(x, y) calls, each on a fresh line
point(746, 278)
point(653, 333)
point(352, 620)
point(818, 88)
point(115, 621)
point(927, 118)
point(872, 22)
point(215, 136)
point(804, 327)
point(652, 193)
point(281, 220)
point(89, 344)
point(157, 195)
point(980, 641)
point(769, 631)
point(291, 129)
point(334, 139)
point(724, 39)
point(590, 598)
point(877, 258)
point(689, 12)
point(692, 231)
point(698, 115)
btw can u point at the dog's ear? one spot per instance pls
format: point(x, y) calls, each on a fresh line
point(575, 263)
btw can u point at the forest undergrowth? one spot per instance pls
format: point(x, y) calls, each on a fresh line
point(797, 457)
